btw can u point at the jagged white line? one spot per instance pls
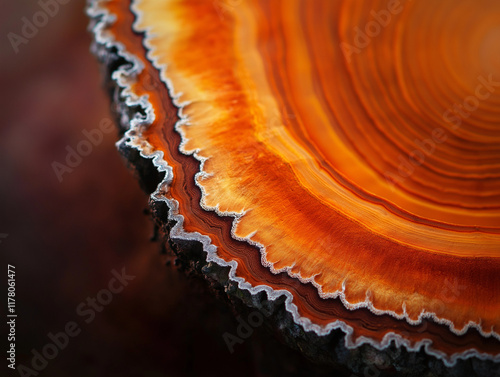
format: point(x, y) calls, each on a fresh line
point(132, 138)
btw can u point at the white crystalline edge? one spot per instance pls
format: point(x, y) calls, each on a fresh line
point(123, 77)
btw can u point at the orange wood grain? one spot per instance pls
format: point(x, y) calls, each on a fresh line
point(314, 146)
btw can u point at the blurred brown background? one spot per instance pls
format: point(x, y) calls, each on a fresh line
point(66, 237)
